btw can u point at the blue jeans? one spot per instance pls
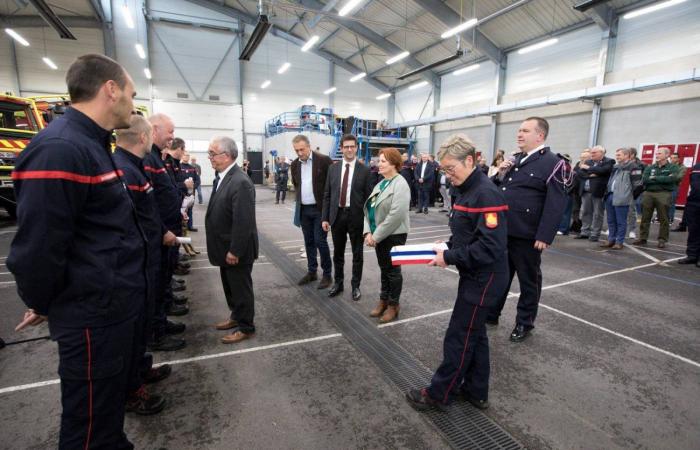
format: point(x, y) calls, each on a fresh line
point(565, 223)
point(199, 194)
point(617, 221)
point(315, 238)
point(190, 220)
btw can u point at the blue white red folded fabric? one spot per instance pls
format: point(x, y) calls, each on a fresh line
point(414, 254)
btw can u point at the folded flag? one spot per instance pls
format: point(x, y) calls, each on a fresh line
point(414, 254)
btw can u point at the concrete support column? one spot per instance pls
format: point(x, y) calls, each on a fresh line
point(331, 83)
point(239, 67)
point(499, 89)
point(606, 58)
point(437, 94)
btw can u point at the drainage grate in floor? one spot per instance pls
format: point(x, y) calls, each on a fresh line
point(464, 427)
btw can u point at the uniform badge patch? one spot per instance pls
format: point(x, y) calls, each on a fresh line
point(491, 219)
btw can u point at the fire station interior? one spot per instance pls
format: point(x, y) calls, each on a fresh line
point(614, 359)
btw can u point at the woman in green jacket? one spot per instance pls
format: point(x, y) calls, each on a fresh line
point(386, 225)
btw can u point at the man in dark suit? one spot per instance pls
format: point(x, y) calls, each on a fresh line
point(425, 176)
point(594, 182)
point(309, 172)
point(348, 186)
point(533, 187)
point(232, 237)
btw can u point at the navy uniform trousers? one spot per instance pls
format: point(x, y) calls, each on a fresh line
point(465, 363)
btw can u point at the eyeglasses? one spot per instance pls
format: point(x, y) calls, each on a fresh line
point(349, 147)
point(450, 169)
point(212, 154)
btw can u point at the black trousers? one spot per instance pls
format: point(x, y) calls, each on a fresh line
point(692, 218)
point(143, 361)
point(238, 289)
point(524, 260)
point(94, 367)
point(343, 227)
point(163, 292)
point(391, 278)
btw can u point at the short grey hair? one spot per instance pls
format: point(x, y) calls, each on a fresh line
point(666, 150)
point(599, 148)
point(625, 151)
point(226, 145)
point(130, 136)
point(457, 146)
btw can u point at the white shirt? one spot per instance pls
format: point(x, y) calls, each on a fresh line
point(531, 152)
point(422, 169)
point(342, 174)
point(307, 185)
point(223, 173)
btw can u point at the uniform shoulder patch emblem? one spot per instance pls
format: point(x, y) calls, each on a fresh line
point(491, 219)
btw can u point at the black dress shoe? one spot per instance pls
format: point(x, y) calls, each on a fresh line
point(177, 287)
point(335, 290)
point(180, 299)
point(185, 265)
point(308, 278)
point(166, 344)
point(581, 236)
point(157, 374)
point(356, 293)
point(687, 260)
point(192, 229)
point(143, 403)
point(325, 282)
point(679, 229)
point(174, 327)
point(181, 271)
point(420, 400)
point(179, 280)
point(519, 333)
point(177, 310)
point(480, 404)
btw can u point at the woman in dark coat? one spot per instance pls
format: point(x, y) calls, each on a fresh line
point(281, 178)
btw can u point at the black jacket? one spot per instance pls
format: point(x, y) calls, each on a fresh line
point(359, 191)
point(598, 183)
point(79, 254)
point(168, 195)
point(429, 175)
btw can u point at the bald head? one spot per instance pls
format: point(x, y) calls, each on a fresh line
point(163, 130)
point(138, 138)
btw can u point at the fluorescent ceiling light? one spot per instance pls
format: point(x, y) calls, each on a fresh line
point(330, 90)
point(383, 96)
point(49, 63)
point(127, 17)
point(284, 68)
point(651, 8)
point(418, 85)
point(265, 84)
point(539, 45)
point(459, 28)
point(349, 6)
point(465, 69)
point(359, 76)
point(398, 57)
point(16, 36)
point(139, 50)
point(310, 43)
point(147, 72)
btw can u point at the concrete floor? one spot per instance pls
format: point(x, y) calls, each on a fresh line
point(613, 363)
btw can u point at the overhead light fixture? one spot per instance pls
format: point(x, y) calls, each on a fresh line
point(357, 77)
point(284, 68)
point(17, 37)
point(265, 84)
point(383, 96)
point(457, 55)
point(330, 90)
point(127, 17)
point(418, 85)
point(256, 38)
point(51, 18)
point(310, 43)
point(398, 57)
point(49, 63)
point(459, 28)
point(349, 6)
point(140, 51)
point(539, 45)
point(651, 8)
point(464, 70)
point(147, 72)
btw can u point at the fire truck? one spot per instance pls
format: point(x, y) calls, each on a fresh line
point(20, 120)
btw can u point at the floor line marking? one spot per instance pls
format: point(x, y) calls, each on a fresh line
point(23, 387)
point(216, 267)
point(644, 254)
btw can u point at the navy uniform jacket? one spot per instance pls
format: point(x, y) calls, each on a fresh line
point(479, 241)
point(189, 171)
point(535, 201)
point(79, 254)
point(167, 194)
point(172, 165)
point(694, 196)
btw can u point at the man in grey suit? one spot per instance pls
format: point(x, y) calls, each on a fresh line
point(347, 188)
point(232, 237)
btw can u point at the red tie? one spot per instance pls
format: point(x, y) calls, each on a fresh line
point(344, 186)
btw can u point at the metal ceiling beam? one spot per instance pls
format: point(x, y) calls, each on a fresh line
point(449, 17)
point(602, 15)
point(317, 18)
point(276, 31)
point(374, 38)
point(36, 21)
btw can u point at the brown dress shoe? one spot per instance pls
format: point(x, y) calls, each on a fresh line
point(617, 247)
point(606, 244)
point(325, 283)
point(391, 313)
point(236, 337)
point(379, 309)
point(226, 324)
point(640, 242)
point(308, 278)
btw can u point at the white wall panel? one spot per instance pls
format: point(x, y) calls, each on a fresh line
point(357, 99)
point(574, 57)
point(480, 136)
point(567, 134)
point(471, 87)
point(8, 78)
point(414, 104)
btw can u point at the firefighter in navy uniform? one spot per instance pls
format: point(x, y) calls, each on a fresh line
point(692, 217)
point(533, 185)
point(133, 144)
point(79, 255)
point(477, 248)
point(168, 200)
